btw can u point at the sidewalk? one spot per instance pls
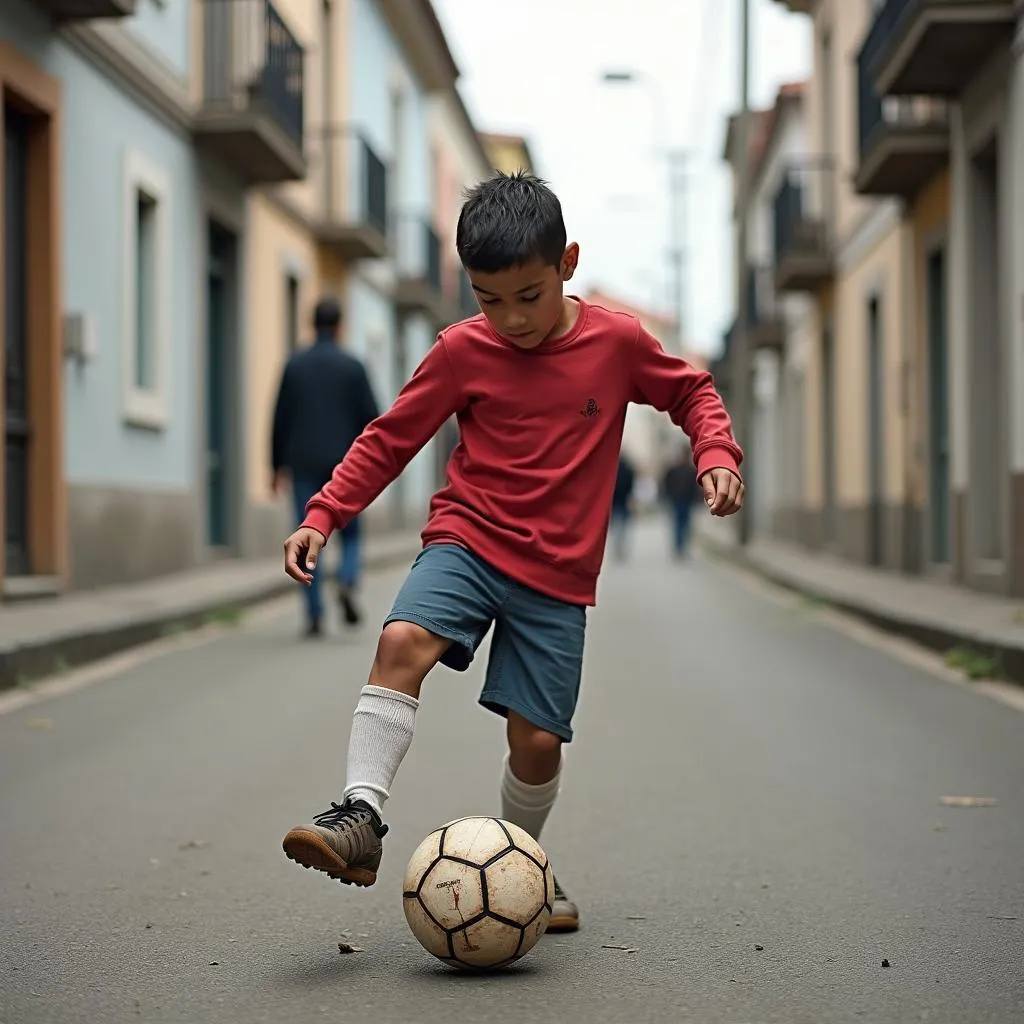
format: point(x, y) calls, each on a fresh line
point(938, 615)
point(40, 637)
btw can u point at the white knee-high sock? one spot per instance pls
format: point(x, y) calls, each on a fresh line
point(525, 805)
point(382, 728)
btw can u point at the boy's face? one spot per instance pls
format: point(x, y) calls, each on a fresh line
point(524, 304)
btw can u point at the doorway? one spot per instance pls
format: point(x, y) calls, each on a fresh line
point(17, 427)
point(938, 410)
point(876, 434)
point(221, 313)
point(987, 488)
point(34, 506)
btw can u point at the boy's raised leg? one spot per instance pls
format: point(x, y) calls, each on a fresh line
point(345, 841)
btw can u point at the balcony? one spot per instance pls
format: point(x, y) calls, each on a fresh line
point(720, 366)
point(933, 47)
point(765, 325)
point(803, 222)
point(80, 10)
point(904, 140)
point(354, 180)
point(468, 305)
point(251, 115)
point(419, 287)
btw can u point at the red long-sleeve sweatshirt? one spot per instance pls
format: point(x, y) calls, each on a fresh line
point(530, 483)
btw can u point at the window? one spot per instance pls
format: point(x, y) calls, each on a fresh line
point(291, 306)
point(146, 293)
point(145, 290)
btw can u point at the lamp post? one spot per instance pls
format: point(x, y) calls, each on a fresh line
point(739, 360)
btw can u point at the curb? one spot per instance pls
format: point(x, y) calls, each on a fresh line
point(42, 658)
point(932, 635)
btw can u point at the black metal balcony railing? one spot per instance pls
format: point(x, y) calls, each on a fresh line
point(886, 22)
point(877, 115)
point(253, 62)
point(419, 251)
point(803, 210)
point(467, 297)
point(354, 179)
point(762, 304)
point(432, 242)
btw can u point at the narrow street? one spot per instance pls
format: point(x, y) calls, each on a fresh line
point(752, 808)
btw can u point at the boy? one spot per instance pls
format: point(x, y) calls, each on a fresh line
point(539, 382)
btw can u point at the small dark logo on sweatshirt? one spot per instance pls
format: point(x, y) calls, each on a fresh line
point(591, 410)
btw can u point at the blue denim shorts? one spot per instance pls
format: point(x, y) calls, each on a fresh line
point(536, 659)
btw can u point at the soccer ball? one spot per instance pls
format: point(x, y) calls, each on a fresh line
point(478, 893)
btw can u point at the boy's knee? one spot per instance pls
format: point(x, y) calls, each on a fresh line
point(533, 751)
point(404, 646)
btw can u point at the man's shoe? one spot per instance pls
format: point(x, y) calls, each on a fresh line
point(565, 915)
point(343, 842)
point(349, 608)
point(313, 628)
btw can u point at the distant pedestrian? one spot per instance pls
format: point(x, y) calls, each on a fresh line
point(324, 403)
point(679, 488)
point(622, 506)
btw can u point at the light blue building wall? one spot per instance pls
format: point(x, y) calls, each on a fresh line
point(164, 28)
point(100, 123)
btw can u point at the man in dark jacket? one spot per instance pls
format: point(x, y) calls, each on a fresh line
point(679, 488)
point(324, 403)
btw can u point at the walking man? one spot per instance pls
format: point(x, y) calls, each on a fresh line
point(680, 490)
point(324, 403)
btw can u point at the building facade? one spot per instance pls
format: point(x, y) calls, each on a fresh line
point(508, 153)
point(99, 362)
point(901, 225)
point(182, 182)
point(364, 226)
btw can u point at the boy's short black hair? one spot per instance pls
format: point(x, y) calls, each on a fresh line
point(508, 220)
point(327, 315)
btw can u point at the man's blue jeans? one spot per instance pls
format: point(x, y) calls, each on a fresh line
point(350, 564)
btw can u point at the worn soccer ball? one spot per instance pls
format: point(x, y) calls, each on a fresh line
point(478, 893)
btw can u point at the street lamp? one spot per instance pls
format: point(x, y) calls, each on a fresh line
point(676, 186)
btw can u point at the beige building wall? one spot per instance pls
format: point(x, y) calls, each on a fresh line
point(508, 153)
point(879, 274)
point(807, 337)
point(277, 246)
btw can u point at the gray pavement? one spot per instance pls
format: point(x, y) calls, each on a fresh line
point(49, 635)
point(744, 776)
point(932, 612)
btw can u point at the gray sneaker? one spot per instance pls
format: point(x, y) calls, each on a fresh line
point(565, 915)
point(343, 842)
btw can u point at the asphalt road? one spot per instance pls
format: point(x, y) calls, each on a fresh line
point(744, 776)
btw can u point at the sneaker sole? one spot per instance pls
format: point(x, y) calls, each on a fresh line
point(563, 924)
point(309, 851)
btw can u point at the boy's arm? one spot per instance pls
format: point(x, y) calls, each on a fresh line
point(387, 445)
point(688, 395)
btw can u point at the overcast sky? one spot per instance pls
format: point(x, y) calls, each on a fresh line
point(533, 67)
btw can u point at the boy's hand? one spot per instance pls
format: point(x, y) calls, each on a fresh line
point(723, 492)
point(300, 553)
